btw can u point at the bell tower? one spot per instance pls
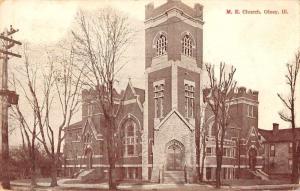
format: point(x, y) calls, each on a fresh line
point(173, 62)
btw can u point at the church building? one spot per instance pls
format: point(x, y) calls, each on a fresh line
point(158, 123)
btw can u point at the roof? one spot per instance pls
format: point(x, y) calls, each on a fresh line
point(141, 94)
point(280, 135)
point(75, 125)
point(94, 92)
point(190, 126)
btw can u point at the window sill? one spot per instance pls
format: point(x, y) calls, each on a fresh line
point(159, 59)
point(130, 156)
point(188, 59)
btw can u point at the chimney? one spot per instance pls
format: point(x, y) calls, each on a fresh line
point(275, 128)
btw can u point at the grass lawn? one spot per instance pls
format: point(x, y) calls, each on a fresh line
point(38, 180)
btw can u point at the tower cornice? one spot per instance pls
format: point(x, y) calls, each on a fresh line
point(174, 12)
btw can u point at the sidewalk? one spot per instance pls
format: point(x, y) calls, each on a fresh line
point(129, 186)
point(125, 186)
point(256, 187)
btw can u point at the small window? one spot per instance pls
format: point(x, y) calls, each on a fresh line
point(208, 173)
point(101, 147)
point(161, 45)
point(159, 101)
point(90, 109)
point(189, 93)
point(290, 147)
point(290, 163)
point(130, 149)
point(225, 151)
point(250, 111)
point(187, 45)
point(224, 173)
point(130, 130)
point(272, 150)
point(208, 151)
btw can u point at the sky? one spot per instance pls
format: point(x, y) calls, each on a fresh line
point(258, 45)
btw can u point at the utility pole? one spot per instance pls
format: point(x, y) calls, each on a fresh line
point(7, 98)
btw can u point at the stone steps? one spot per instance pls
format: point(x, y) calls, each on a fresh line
point(86, 174)
point(176, 177)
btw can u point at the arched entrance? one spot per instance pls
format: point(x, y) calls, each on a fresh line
point(89, 157)
point(252, 158)
point(175, 155)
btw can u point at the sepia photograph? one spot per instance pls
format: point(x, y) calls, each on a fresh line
point(133, 95)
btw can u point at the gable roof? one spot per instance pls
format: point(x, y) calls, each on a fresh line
point(141, 93)
point(74, 125)
point(190, 126)
point(250, 132)
point(129, 93)
point(281, 135)
point(89, 122)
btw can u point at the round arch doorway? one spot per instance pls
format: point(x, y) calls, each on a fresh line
point(89, 157)
point(252, 158)
point(175, 156)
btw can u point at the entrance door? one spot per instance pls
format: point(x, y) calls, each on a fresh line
point(174, 157)
point(252, 158)
point(89, 158)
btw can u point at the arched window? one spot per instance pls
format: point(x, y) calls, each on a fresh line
point(210, 126)
point(161, 45)
point(87, 137)
point(130, 137)
point(187, 45)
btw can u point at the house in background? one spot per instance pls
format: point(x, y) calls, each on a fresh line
point(278, 151)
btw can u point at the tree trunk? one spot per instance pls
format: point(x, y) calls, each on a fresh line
point(111, 183)
point(202, 160)
point(239, 159)
point(32, 171)
point(33, 179)
point(218, 170)
point(53, 174)
point(197, 142)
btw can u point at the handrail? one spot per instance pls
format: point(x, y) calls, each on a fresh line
point(163, 174)
point(185, 174)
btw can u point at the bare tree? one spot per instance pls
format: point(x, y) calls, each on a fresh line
point(198, 139)
point(100, 43)
point(65, 83)
point(27, 125)
point(221, 93)
point(45, 84)
point(203, 136)
point(290, 115)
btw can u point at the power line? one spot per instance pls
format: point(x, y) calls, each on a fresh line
point(8, 97)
